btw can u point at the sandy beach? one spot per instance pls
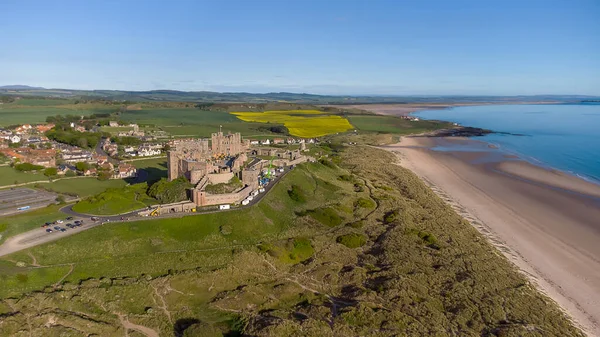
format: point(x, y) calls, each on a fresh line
point(546, 222)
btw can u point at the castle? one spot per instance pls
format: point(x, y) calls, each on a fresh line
point(195, 158)
point(202, 165)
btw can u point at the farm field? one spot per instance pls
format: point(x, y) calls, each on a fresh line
point(394, 125)
point(300, 123)
point(190, 122)
point(35, 111)
point(10, 176)
point(375, 243)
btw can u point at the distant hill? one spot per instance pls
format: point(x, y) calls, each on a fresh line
point(300, 98)
point(19, 87)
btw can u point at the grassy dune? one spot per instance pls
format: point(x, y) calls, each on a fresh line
point(349, 246)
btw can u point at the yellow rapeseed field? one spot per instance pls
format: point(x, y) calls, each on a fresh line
point(300, 123)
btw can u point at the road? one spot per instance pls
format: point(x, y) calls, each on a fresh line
point(38, 236)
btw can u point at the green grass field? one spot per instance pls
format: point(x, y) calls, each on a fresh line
point(35, 114)
point(10, 176)
point(394, 125)
point(84, 186)
point(155, 167)
point(23, 222)
point(115, 201)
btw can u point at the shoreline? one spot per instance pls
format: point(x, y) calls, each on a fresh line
point(542, 220)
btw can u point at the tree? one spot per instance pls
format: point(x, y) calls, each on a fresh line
point(82, 166)
point(104, 175)
point(50, 172)
point(82, 142)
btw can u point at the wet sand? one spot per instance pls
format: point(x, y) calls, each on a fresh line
point(545, 221)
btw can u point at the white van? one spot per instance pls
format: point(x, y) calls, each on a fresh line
point(245, 202)
point(222, 207)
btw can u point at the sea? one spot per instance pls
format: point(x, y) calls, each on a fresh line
point(560, 136)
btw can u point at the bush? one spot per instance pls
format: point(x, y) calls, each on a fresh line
point(167, 192)
point(24, 167)
point(390, 217)
point(345, 177)
point(352, 240)
point(50, 172)
point(70, 174)
point(296, 194)
point(364, 203)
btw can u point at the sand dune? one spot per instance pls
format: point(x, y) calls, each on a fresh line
point(544, 221)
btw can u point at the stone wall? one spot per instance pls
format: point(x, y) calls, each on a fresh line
point(219, 178)
point(201, 198)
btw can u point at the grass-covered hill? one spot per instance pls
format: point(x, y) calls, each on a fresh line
point(349, 246)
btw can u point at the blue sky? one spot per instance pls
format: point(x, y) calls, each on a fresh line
point(479, 47)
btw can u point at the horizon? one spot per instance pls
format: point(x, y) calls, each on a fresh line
point(33, 87)
point(382, 48)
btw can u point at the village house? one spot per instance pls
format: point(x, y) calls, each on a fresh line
point(79, 128)
point(266, 142)
point(113, 124)
point(125, 170)
point(14, 139)
point(44, 158)
point(76, 155)
point(254, 142)
point(146, 151)
point(63, 169)
point(90, 172)
point(278, 141)
point(44, 127)
point(25, 128)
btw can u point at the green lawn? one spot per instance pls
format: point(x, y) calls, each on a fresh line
point(23, 222)
point(84, 186)
point(391, 124)
point(10, 176)
point(155, 167)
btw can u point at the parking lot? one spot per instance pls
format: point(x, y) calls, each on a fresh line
point(12, 199)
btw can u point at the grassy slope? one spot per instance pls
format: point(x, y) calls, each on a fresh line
point(390, 124)
point(36, 110)
point(422, 271)
point(116, 201)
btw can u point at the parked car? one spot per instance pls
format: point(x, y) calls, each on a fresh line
point(59, 221)
point(63, 230)
point(69, 225)
point(49, 230)
point(70, 218)
point(95, 218)
point(57, 228)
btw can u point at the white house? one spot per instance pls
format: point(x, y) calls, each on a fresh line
point(15, 139)
point(148, 151)
point(254, 142)
point(266, 142)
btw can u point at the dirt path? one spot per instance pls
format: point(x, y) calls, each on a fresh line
point(140, 328)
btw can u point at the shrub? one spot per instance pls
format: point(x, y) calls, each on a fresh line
point(50, 172)
point(352, 240)
point(296, 194)
point(390, 217)
point(28, 167)
point(167, 191)
point(345, 177)
point(364, 203)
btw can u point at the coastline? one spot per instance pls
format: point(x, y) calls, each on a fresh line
point(540, 219)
